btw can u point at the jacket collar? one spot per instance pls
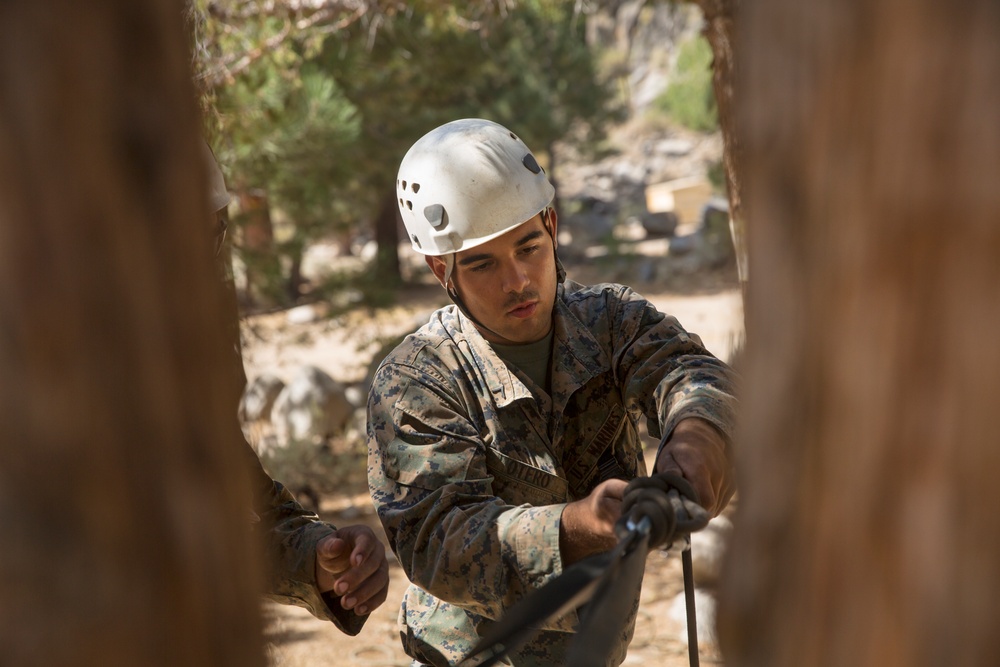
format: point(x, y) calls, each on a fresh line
point(576, 355)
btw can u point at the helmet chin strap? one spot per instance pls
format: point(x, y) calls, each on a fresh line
point(547, 221)
point(460, 303)
point(449, 286)
point(449, 269)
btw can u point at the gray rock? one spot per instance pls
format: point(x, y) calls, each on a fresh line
point(683, 245)
point(709, 246)
point(718, 246)
point(675, 147)
point(310, 409)
point(708, 547)
point(593, 222)
point(704, 605)
point(258, 398)
point(659, 224)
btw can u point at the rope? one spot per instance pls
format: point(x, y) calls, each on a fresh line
point(655, 511)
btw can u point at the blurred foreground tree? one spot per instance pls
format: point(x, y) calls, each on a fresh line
point(124, 528)
point(720, 31)
point(868, 532)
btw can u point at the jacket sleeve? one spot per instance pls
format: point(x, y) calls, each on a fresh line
point(429, 482)
point(286, 531)
point(288, 534)
point(666, 372)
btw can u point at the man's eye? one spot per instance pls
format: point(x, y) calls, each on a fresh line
point(480, 267)
point(529, 249)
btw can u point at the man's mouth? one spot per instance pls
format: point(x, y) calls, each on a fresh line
point(524, 310)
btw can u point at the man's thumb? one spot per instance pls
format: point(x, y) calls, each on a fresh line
point(331, 548)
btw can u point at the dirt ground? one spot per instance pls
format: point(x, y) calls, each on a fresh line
point(343, 346)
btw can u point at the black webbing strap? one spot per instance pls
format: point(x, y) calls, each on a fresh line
point(655, 511)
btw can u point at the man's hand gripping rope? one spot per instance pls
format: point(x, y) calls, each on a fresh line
point(656, 511)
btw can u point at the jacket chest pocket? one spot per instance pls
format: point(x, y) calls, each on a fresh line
point(519, 483)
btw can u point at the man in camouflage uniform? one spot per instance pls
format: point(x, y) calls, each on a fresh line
point(502, 432)
point(338, 575)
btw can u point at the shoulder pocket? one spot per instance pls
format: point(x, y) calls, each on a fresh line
point(426, 466)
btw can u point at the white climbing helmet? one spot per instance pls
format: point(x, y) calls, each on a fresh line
point(467, 182)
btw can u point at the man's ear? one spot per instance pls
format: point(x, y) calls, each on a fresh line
point(438, 267)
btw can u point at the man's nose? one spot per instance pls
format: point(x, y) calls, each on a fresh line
point(515, 278)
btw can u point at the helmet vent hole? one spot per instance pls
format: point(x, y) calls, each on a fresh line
point(401, 203)
point(437, 216)
point(416, 188)
point(513, 136)
point(529, 162)
point(404, 185)
point(416, 241)
point(409, 204)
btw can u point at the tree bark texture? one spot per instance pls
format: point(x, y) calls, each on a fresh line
point(720, 32)
point(124, 526)
point(868, 530)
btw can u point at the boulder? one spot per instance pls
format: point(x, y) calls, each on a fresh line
point(593, 221)
point(708, 547)
point(312, 408)
point(258, 398)
point(663, 223)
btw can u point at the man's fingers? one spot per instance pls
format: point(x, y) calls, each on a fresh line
point(695, 472)
point(350, 580)
point(365, 544)
point(332, 554)
point(371, 593)
point(367, 558)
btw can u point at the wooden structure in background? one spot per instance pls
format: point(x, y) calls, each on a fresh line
point(685, 197)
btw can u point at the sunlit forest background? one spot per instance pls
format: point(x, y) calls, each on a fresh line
point(309, 107)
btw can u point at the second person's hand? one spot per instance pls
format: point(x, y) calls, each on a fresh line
point(352, 564)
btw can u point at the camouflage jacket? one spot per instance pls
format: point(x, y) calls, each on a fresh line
point(470, 464)
point(289, 534)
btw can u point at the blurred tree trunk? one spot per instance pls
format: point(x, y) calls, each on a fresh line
point(720, 32)
point(264, 285)
point(868, 531)
point(387, 241)
point(124, 528)
point(293, 286)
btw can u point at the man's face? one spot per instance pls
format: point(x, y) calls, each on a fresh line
point(509, 284)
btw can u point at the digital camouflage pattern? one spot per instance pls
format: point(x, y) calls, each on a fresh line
point(470, 464)
point(289, 534)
